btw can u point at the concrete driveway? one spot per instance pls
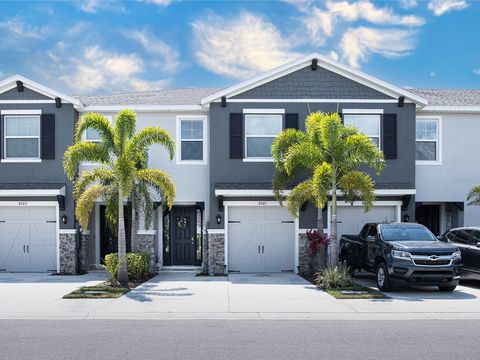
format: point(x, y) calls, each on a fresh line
point(178, 295)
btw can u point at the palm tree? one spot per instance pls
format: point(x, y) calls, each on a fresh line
point(119, 152)
point(324, 159)
point(473, 196)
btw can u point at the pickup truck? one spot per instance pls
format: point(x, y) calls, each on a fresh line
point(402, 254)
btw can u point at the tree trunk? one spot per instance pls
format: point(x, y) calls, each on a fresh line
point(133, 233)
point(333, 244)
point(122, 275)
point(320, 258)
point(320, 225)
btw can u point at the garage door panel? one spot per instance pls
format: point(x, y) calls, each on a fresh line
point(28, 238)
point(271, 229)
point(352, 218)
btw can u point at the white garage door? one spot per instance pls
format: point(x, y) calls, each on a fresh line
point(352, 218)
point(28, 238)
point(260, 239)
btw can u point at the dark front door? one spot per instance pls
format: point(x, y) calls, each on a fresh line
point(429, 215)
point(108, 238)
point(183, 232)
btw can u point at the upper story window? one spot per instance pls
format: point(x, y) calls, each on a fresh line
point(22, 137)
point(427, 148)
point(369, 124)
point(92, 135)
point(260, 132)
point(191, 139)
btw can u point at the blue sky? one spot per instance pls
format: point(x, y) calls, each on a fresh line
point(94, 47)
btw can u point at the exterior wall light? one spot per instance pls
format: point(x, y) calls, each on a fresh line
point(219, 219)
point(64, 219)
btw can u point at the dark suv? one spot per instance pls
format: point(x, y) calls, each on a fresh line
point(467, 239)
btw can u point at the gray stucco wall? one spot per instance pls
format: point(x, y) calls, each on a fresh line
point(47, 171)
point(308, 84)
point(224, 169)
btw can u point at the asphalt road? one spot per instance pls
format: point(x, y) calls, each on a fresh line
point(199, 339)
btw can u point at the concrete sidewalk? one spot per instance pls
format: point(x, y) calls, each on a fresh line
point(238, 296)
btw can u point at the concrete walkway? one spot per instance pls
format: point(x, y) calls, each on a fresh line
point(238, 296)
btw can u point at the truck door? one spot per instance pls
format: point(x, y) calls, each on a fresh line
point(371, 245)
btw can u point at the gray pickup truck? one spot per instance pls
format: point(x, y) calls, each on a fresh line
point(402, 254)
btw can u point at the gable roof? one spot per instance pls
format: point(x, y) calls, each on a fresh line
point(322, 61)
point(187, 96)
point(11, 83)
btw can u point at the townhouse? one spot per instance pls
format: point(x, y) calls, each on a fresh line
point(225, 216)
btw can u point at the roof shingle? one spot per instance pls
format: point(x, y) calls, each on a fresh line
point(449, 97)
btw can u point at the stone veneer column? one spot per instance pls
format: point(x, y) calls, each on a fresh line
point(83, 252)
point(68, 253)
point(216, 254)
point(303, 260)
point(145, 243)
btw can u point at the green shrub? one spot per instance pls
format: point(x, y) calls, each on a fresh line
point(137, 265)
point(333, 278)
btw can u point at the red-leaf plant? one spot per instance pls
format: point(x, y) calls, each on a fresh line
point(315, 242)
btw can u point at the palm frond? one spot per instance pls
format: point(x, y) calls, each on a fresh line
point(300, 194)
point(97, 122)
point(302, 158)
point(111, 206)
point(473, 196)
point(148, 136)
point(125, 124)
point(161, 182)
point(87, 178)
point(84, 152)
point(357, 185)
point(86, 202)
point(282, 144)
point(322, 183)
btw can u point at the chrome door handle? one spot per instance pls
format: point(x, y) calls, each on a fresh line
point(263, 249)
point(23, 248)
point(259, 249)
point(28, 248)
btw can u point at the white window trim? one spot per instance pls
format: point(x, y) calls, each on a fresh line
point(178, 140)
point(264, 111)
point(439, 140)
point(367, 112)
point(21, 113)
point(246, 158)
point(362, 111)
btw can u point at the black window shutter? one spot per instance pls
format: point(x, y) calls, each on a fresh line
point(48, 137)
point(1, 137)
point(390, 136)
point(291, 121)
point(236, 136)
point(341, 118)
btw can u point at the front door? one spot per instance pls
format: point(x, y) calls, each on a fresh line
point(108, 237)
point(429, 215)
point(183, 235)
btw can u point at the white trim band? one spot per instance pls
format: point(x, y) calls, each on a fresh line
point(253, 193)
point(67, 231)
point(34, 192)
point(146, 232)
point(21, 112)
point(362, 111)
point(264, 111)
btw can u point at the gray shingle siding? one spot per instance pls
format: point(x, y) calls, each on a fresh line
point(308, 84)
point(26, 94)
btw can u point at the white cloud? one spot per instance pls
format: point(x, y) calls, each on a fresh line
point(408, 4)
point(333, 55)
point(169, 58)
point(16, 27)
point(242, 46)
point(476, 71)
point(157, 2)
point(440, 7)
point(93, 68)
point(358, 43)
point(433, 74)
point(93, 6)
point(321, 22)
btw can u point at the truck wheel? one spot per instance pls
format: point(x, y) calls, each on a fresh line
point(383, 279)
point(447, 288)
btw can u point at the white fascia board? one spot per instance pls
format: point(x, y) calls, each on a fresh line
point(33, 192)
point(21, 112)
point(147, 108)
point(264, 111)
point(303, 101)
point(11, 83)
point(254, 193)
point(329, 64)
point(450, 109)
point(27, 101)
point(246, 193)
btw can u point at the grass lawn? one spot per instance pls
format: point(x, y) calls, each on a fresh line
point(103, 290)
point(356, 292)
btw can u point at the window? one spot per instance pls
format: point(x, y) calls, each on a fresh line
point(369, 124)
point(191, 139)
point(22, 137)
point(260, 132)
point(427, 148)
point(93, 135)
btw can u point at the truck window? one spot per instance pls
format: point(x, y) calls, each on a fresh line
point(372, 231)
point(363, 233)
